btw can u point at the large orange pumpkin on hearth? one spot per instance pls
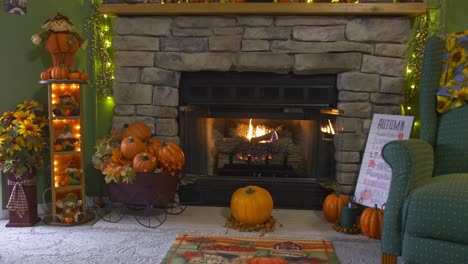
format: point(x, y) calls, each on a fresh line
point(371, 222)
point(332, 206)
point(251, 205)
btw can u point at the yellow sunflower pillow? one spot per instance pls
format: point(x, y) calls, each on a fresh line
point(453, 91)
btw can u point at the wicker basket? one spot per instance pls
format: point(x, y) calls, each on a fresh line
point(148, 189)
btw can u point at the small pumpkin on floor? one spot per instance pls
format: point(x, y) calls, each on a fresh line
point(371, 221)
point(332, 206)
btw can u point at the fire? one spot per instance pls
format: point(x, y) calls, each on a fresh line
point(260, 130)
point(328, 128)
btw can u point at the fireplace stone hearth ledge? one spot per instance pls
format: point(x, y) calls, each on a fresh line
point(366, 52)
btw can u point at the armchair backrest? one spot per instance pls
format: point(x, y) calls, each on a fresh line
point(447, 132)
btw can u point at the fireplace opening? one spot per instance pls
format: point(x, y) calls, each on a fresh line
point(248, 128)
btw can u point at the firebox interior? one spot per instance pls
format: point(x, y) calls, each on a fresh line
point(265, 129)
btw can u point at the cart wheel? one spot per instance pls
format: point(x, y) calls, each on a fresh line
point(176, 207)
point(110, 212)
point(151, 217)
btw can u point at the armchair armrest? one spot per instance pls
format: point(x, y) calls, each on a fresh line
point(412, 163)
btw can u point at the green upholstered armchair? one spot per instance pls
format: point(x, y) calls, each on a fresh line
point(426, 215)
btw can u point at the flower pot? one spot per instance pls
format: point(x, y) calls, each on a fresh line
point(22, 203)
point(148, 189)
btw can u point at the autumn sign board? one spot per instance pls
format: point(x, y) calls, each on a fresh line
point(375, 174)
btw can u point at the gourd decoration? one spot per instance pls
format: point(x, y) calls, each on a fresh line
point(251, 205)
point(266, 260)
point(45, 75)
point(153, 146)
point(332, 206)
point(84, 76)
point(138, 130)
point(59, 72)
point(131, 146)
point(74, 75)
point(371, 222)
point(144, 162)
point(171, 158)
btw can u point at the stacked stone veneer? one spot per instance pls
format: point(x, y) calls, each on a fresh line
point(367, 53)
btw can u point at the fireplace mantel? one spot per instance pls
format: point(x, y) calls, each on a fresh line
point(317, 9)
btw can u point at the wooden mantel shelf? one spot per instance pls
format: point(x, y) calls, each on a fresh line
point(378, 9)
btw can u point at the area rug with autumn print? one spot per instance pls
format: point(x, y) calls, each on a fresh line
point(223, 249)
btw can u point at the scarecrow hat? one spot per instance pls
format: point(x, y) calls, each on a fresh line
point(58, 16)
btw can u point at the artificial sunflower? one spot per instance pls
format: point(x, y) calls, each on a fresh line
point(23, 139)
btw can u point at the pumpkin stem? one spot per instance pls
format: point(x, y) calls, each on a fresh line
point(145, 157)
point(249, 190)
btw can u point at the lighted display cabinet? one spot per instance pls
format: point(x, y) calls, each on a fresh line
point(67, 173)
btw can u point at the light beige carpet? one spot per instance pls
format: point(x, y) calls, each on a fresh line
point(129, 242)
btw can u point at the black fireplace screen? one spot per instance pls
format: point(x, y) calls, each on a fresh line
point(260, 125)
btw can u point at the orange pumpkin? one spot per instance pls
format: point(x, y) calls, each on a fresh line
point(59, 72)
point(138, 130)
point(84, 76)
point(144, 162)
point(171, 158)
point(266, 260)
point(332, 206)
point(74, 75)
point(371, 222)
point(45, 75)
point(68, 219)
point(251, 205)
point(153, 146)
point(131, 146)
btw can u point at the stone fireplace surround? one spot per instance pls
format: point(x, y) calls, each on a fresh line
point(366, 52)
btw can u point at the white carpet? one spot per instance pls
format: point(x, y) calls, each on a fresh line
point(129, 242)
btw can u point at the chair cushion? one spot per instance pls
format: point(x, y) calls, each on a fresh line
point(439, 209)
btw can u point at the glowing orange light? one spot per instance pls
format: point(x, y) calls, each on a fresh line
point(328, 128)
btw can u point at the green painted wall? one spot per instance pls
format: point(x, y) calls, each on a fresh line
point(454, 17)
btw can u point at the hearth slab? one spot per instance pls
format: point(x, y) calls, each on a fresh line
point(297, 193)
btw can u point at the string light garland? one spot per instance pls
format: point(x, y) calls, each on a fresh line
point(426, 25)
point(413, 71)
point(101, 51)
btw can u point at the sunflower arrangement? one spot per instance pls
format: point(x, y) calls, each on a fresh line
point(23, 139)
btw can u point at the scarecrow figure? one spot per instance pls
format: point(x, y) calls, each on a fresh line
point(60, 40)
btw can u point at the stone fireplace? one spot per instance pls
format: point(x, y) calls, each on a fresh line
point(365, 53)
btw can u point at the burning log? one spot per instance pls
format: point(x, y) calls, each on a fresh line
point(229, 145)
point(271, 137)
point(264, 137)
